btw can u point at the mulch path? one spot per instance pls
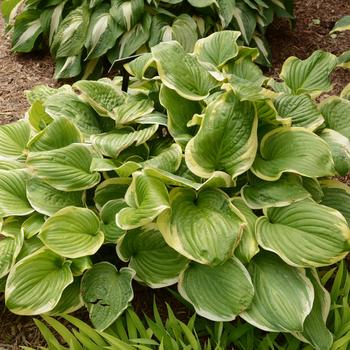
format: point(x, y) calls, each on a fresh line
point(315, 18)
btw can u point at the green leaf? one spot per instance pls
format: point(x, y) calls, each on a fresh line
point(310, 75)
point(60, 133)
point(155, 263)
point(337, 196)
point(217, 49)
point(245, 20)
point(113, 142)
point(265, 194)
point(106, 293)
point(340, 148)
point(72, 232)
point(102, 96)
point(10, 246)
point(180, 111)
point(70, 301)
point(189, 79)
point(55, 20)
point(301, 109)
point(68, 67)
point(133, 107)
point(71, 106)
point(36, 283)
point(108, 212)
point(293, 150)
point(13, 199)
point(127, 12)
point(341, 25)
point(315, 330)
point(26, 31)
point(226, 140)
point(47, 200)
point(336, 112)
point(188, 226)
point(248, 246)
point(37, 117)
point(226, 11)
point(65, 169)
point(102, 33)
point(218, 293)
point(304, 234)
point(8, 9)
point(147, 197)
point(114, 188)
point(13, 139)
point(71, 33)
point(32, 225)
point(283, 295)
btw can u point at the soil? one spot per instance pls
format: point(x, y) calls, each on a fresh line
point(315, 18)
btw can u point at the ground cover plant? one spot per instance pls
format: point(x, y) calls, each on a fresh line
point(81, 34)
point(205, 174)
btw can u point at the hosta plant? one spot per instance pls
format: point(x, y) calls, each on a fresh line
point(81, 33)
point(204, 173)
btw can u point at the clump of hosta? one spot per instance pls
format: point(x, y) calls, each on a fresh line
point(84, 34)
point(205, 174)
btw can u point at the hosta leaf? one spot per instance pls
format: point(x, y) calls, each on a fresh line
point(226, 10)
point(138, 67)
point(29, 247)
point(26, 30)
point(293, 150)
point(110, 189)
point(188, 226)
point(102, 33)
point(132, 40)
point(154, 262)
point(47, 200)
point(106, 293)
point(217, 49)
point(301, 109)
point(112, 143)
point(71, 33)
point(218, 293)
point(147, 197)
point(102, 96)
point(13, 139)
point(310, 75)
point(337, 196)
point(80, 265)
point(10, 246)
point(66, 169)
point(127, 12)
point(32, 225)
point(180, 111)
point(134, 107)
point(283, 295)
point(11, 165)
point(245, 20)
point(70, 301)
point(55, 20)
point(304, 234)
point(37, 117)
point(226, 140)
point(36, 283)
point(336, 112)
point(13, 199)
point(340, 148)
point(341, 25)
point(60, 133)
point(202, 3)
point(248, 246)
point(67, 67)
point(108, 212)
point(189, 79)
point(72, 232)
point(71, 106)
point(264, 194)
point(315, 330)
point(8, 9)
point(314, 188)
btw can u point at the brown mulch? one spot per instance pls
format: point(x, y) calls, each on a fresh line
point(315, 18)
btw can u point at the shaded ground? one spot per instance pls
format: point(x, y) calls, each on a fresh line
point(315, 18)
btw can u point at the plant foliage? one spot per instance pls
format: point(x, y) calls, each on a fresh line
point(81, 33)
point(205, 174)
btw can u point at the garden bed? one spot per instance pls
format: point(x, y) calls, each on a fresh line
point(315, 18)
